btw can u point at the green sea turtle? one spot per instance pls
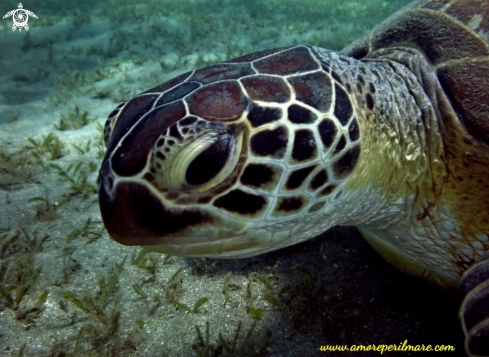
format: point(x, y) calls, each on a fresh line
point(270, 149)
point(20, 17)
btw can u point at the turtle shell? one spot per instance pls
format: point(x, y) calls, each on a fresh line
point(454, 36)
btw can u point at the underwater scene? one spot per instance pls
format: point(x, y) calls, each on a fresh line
point(68, 289)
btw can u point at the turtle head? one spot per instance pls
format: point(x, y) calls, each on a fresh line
point(231, 160)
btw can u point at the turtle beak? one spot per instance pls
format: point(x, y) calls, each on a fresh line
point(134, 215)
point(121, 216)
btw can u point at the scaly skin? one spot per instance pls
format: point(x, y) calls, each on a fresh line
point(439, 168)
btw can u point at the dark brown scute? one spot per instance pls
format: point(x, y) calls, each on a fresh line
point(336, 77)
point(266, 89)
point(258, 115)
point(170, 84)
point(318, 180)
point(360, 78)
point(130, 157)
point(300, 115)
point(297, 177)
point(256, 175)
point(289, 204)
point(178, 92)
point(256, 55)
point(341, 144)
point(470, 98)
point(370, 101)
point(343, 109)
point(304, 145)
point(149, 177)
point(112, 113)
point(327, 190)
point(292, 61)
point(188, 121)
point(359, 88)
point(270, 142)
point(240, 202)
point(221, 71)
point(353, 130)
point(346, 163)
point(137, 217)
point(174, 132)
point(371, 88)
point(221, 101)
point(131, 113)
point(327, 132)
point(313, 89)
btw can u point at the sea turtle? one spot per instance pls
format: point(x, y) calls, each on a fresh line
point(270, 149)
point(20, 17)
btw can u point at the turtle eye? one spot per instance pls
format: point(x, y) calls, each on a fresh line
point(199, 164)
point(208, 164)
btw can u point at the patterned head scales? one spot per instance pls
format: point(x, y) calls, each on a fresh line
point(231, 160)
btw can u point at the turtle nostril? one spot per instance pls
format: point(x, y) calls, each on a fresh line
point(105, 178)
point(108, 183)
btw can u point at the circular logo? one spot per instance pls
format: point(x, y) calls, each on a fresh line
point(20, 18)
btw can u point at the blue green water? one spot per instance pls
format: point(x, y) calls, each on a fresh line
point(67, 289)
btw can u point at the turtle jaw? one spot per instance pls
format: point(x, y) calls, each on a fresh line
point(245, 245)
point(234, 247)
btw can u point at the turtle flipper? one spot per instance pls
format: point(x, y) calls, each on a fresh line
point(474, 310)
point(8, 14)
point(30, 13)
